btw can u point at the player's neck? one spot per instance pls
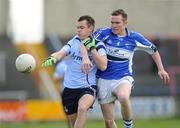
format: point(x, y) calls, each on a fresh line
point(122, 33)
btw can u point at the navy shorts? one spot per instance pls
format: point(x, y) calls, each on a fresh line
point(70, 97)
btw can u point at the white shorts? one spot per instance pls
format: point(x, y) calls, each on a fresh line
point(107, 87)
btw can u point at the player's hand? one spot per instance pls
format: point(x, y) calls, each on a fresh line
point(89, 43)
point(164, 76)
point(86, 65)
point(49, 61)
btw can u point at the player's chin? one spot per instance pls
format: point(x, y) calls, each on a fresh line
point(80, 35)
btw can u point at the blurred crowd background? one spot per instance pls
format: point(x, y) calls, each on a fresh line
point(158, 20)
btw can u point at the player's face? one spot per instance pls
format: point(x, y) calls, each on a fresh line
point(118, 25)
point(84, 30)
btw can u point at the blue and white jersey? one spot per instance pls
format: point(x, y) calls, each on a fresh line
point(120, 51)
point(74, 78)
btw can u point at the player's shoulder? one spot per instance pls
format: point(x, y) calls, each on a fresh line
point(103, 30)
point(135, 34)
point(102, 34)
point(138, 37)
point(76, 38)
point(73, 39)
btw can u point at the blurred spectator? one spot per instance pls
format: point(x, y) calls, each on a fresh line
point(59, 72)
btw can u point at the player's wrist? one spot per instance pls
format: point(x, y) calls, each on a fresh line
point(54, 60)
point(49, 61)
point(92, 48)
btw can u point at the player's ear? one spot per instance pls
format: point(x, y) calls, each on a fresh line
point(92, 28)
point(125, 22)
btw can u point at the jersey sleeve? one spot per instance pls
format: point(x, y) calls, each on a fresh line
point(100, 47)
point(67, 47)
point(144, 44)
point(99, 35)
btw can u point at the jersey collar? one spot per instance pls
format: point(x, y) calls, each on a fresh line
point(77, 38)
point(127, 32)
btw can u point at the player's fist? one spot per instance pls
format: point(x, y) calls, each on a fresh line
point(49, 61)
point(89, 43)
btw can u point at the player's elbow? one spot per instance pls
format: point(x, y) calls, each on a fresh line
point(103, 67)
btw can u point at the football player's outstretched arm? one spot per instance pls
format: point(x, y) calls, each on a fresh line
point(161, 71)
point(59, 55)
point(53, 58)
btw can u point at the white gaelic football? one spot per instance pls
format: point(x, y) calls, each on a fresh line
point(25, 63)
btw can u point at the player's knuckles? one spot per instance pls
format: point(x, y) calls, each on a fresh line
point(47, 62)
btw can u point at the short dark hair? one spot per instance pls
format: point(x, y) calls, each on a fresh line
point(120, 12)
point(89, 19)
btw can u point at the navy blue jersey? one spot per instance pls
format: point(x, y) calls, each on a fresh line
point(120, 51)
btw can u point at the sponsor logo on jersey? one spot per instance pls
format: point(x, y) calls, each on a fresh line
point(79, 58)
point(76, 57)
point(117, 52)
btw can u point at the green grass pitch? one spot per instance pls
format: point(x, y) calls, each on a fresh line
point(153, 123)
